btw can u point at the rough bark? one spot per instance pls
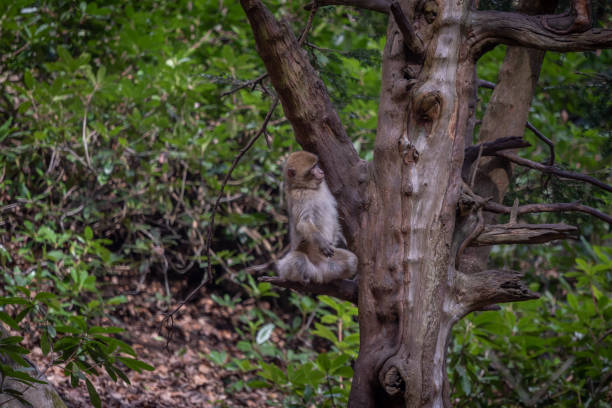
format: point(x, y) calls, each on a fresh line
point(403, 212)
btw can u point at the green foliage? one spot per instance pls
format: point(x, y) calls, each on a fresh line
point(302, 376)
point(58, 299)
point(553, 352)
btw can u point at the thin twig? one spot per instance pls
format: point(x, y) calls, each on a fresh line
point(252, 82)
point(554, 207)
point(553, 170)
point(540, 135)
point(304, 34)
point(211, 226)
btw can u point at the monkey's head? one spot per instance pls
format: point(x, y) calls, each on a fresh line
point(302, 171)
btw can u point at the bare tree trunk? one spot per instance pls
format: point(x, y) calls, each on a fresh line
point(412, 214)
point(406, 309)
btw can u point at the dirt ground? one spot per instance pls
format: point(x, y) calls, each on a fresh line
point(183, 376)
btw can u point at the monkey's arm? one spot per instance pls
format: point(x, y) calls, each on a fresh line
point(311, 233)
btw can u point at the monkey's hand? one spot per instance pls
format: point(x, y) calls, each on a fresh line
point(326, 248)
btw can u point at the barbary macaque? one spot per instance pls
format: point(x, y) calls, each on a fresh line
point(313, 226)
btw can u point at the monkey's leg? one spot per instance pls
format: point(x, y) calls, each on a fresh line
point(342, 265)
point(295, 266)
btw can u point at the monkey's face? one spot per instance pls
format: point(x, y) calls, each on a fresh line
point(302, 171)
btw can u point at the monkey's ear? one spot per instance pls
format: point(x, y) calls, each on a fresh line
point(291, 172)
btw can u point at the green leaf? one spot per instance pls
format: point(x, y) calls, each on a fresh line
point(110, 371)
point(101, 74)
point(28, 79)
point(324, 332)
point(9, 320)
point(135, 364)
point(44, 295)
point(93, 394)
point(324, 362)
point(88, 233)
point(346, 372)
point(273, 373)
point(13, 301)
point(10, 340)
point(122, 375)
point(45, 344)
point(572, 301)
point(55, 256)
point(218, 357)
point(65, 342)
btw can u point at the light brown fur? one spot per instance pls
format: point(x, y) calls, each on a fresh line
point(313, 226)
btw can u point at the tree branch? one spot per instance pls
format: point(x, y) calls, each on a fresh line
point(554, 207)
point(307, 106)
point(523, 234)
point(342, 289)
point(540, 135)
point(480, 290)
point(382, 6)
point(496, 27)
point(411, 39)
point(490, 149)
point(553, 170)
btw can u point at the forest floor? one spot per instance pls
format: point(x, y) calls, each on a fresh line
point(183, 376)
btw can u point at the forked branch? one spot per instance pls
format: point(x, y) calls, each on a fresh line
point(411, 39)
point(496, 27)
point(490, 149)
point(342, 289)
point(480, 290)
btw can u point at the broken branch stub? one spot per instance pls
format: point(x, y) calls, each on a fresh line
point(524, 234)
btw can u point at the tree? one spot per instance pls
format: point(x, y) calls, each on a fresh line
point(422, 214)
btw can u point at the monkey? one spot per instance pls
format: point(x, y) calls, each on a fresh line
point(313, 226)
